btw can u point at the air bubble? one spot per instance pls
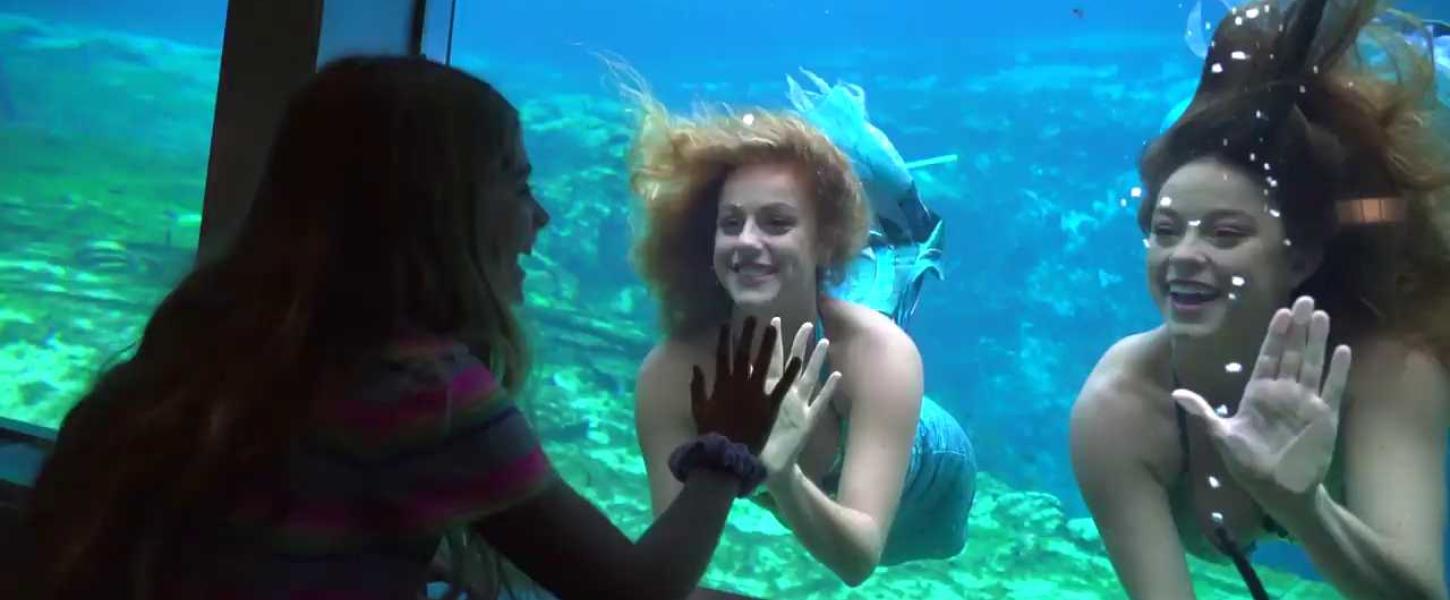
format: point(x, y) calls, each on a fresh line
point(1239, 55)
point(1238, 281)
point(1216, 68)
point(1252, 13)
point(748, 119)
point(1274, 213)
point(1217, 518)
point(1213, 482)
point(1233, 367)
point(1165, 201)
point(1136, 192)
point(1194, 223)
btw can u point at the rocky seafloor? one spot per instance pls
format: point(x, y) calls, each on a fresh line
point(99, 205)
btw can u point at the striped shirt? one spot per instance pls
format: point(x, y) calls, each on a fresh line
point(427, 440)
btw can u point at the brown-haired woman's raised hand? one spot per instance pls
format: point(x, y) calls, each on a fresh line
point(1279, 444)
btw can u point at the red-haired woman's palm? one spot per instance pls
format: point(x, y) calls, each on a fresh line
point(739, 406)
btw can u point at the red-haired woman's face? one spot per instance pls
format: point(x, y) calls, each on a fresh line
point(1217, 252)
point(764, 237)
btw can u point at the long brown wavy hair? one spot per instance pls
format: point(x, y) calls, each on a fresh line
point(1332, 108)
point(370, 219)
point(678, 168)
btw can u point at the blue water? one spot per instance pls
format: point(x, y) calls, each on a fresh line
point(1047, 103)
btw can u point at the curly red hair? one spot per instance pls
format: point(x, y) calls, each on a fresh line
point(678, 167)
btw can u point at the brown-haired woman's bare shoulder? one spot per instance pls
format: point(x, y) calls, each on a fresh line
point(1122, 395)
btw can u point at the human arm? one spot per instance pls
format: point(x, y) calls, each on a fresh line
point(1129, 504)
point(1385, 541)
point(1279, 445)
point(563, 542)
point(662, 420)
point(848, 534)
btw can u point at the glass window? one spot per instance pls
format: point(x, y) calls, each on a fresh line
point(105, 125)
point(1022, 124)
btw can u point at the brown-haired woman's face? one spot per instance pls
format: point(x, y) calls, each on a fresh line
point(526, 214)
point(764, 236)
point(1217, 252)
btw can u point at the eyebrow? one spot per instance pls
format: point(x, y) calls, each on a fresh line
point(1213, 214)
point(772, 205)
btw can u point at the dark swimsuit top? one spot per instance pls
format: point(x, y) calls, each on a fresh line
point(1270, 525)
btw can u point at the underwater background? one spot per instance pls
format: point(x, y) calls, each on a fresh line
point(105, 122)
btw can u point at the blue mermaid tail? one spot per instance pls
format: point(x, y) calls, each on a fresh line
point(906, 239)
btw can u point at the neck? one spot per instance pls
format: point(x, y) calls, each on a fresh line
point(792, 315)
point(1204, 365)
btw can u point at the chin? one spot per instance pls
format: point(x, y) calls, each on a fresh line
point(753, 298)
point(1198, 327)
point(752, 295)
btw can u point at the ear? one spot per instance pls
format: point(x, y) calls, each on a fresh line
point(1304, 261)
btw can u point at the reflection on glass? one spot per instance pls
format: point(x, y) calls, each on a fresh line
point(1044, 109)
point(105, 123)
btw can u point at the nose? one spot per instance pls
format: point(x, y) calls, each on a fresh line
point(1189, 251)
point(750, 234)
point(541, 215)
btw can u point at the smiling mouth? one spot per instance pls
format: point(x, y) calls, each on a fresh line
point(753, 271)
point(1192, 294)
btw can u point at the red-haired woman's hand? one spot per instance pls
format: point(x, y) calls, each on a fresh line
point(739, 406)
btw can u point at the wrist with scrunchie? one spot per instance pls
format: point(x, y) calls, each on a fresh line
point(717, 453)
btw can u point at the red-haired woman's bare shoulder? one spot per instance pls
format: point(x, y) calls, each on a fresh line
point(851, 323)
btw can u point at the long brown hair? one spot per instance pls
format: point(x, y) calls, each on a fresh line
point(1331, 109)
point(371, 219)
point(678, 168)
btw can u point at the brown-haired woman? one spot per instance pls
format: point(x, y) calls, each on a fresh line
point(1298, 171)
point(309, 414)
point(755, 214)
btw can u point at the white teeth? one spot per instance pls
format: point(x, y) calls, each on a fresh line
point(1190, 288)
